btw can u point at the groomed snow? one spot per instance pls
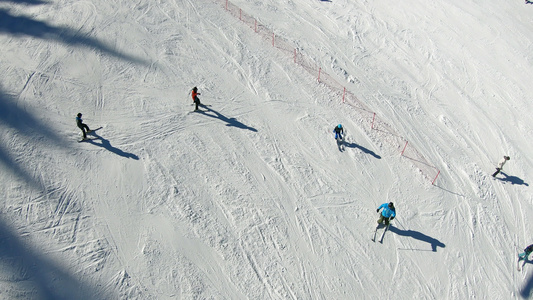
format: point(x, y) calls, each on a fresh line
point(250, 198)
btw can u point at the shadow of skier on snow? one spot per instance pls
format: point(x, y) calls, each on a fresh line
point(525, 292)
point(512, 179)
point(107, 145)
point(419, 236)
point(365, 150)
point(230, 121)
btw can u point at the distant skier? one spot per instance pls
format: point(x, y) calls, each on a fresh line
point(339, 131)
point(525, 254)
point(84, 128)
point(195, 99)
point(387, 214)
point(500, 165)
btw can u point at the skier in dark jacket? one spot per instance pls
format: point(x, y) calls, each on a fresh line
point(526, 252)
point(388, 213)
point(338, 130)
point(84, 128)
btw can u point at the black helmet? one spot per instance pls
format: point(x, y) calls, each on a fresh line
point(391, 205)
point(79, 114)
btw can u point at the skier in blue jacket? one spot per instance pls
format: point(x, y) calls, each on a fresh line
point(387, 214)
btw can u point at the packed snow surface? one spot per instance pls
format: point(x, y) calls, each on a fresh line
point(250, 198)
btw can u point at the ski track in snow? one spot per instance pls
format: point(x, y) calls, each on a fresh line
point(251, 198)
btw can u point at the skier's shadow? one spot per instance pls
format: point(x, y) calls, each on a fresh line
point(107, 145)
point(365, 150)
point(512, 179)
point(525, 292)
point(230, 121)
point(419, 236)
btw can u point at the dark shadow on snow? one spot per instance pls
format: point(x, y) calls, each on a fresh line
point(10, 163)
point(33, 276)
point(25, 26)
point(365, 150)
point(107, 145)
point(23, 124)
point(526, 289)
point(419, 236)
point(30, 2)
point(512, 179)
point(229, 121)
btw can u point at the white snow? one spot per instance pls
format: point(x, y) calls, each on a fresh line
point(251, 199)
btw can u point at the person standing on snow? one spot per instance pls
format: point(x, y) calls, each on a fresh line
point(84, 128)
point(388, 213)
point(195, 99)
point(526, 253)
point(500, 165)
point(338, 130)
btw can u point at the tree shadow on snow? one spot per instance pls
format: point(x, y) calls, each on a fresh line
point(30, 275)
point(31, 2)
point(229, 121)
point(25, 26)
point(365, 150)
point(107, 145)
point(25, 126)
point(419, 236)
point(512, 179)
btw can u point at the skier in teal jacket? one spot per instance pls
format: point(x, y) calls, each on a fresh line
point(526, 253)
point(387, 214)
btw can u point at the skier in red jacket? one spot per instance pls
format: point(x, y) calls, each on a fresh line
point(195, 99)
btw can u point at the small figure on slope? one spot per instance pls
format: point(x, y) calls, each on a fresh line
point(195, 99)
point(338, 130)
point(500, 165)
point(84, 128)
point(524, 255)
point(387, 214)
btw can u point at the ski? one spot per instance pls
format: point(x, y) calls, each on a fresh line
point(374, 237)
point(375, 232)
point(383, 234)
